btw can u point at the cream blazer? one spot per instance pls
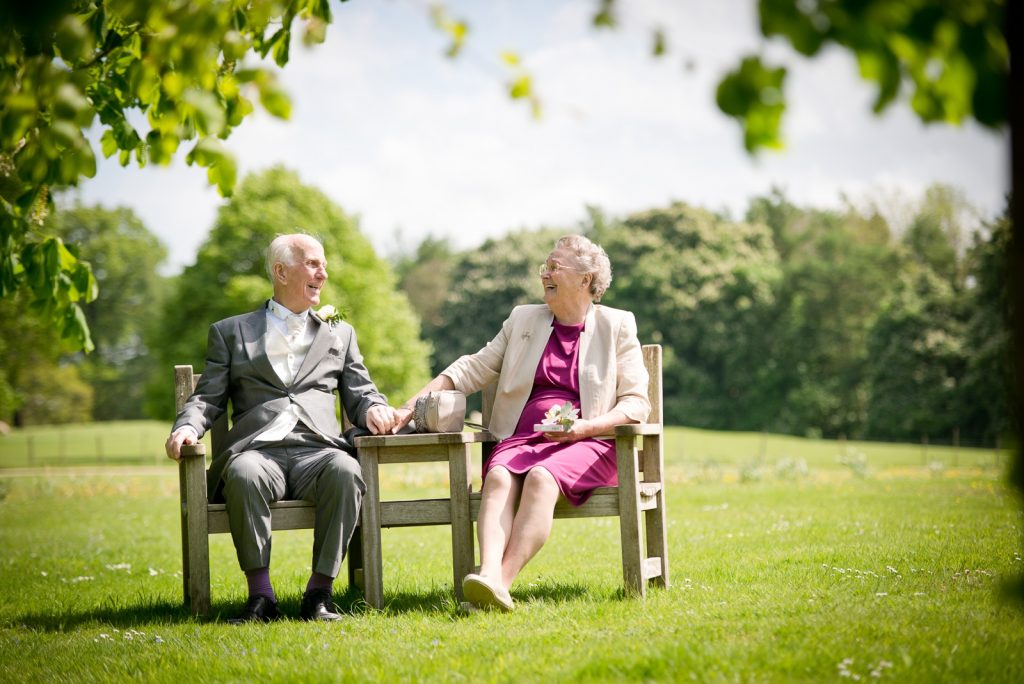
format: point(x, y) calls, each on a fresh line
point(611, 366)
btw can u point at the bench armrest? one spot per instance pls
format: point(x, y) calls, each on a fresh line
point(631, 430)
point(638, 429)
point(193, 450)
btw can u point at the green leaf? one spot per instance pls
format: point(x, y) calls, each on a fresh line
point(520, 87)
point(73, 39)
point(76, 328)
point(206, 109)
point(315, 33)
point(275, 100)
point(753, 95)
point(660, 46)
point(66, 133)
point(20, 115)
point(224, 174)
point(282, 45)
point(161, 146)
point(222, 169)
point(107, 143)
point(237, 109)
point(70, 104)
point(457, 30)
point(605, 17)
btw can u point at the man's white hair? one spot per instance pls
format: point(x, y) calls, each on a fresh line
point(283, 250)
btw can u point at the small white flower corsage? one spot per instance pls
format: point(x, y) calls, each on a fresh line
point(330, 315)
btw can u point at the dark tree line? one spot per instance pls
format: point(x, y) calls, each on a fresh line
point(794, 319)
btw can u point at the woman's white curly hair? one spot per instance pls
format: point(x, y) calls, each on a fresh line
point(590, 258)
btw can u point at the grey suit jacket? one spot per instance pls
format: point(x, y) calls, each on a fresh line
point(238, 370)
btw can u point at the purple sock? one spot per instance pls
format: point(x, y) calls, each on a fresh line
point(319, 581)
point(259, 583)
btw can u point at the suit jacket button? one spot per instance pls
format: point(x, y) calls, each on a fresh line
point(291, 396)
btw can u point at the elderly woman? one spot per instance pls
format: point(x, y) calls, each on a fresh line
point(568, 349)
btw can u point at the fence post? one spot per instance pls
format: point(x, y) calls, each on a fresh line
point(956, 447)
point(143, 446)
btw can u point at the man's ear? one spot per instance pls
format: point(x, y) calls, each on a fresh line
point(279, 272)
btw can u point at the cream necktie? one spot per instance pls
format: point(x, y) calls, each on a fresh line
point(295, 324)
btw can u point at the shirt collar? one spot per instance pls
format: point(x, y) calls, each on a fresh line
point(283, 312)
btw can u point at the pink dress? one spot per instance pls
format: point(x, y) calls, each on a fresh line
point(578, 467)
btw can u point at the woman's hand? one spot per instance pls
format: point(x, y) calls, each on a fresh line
point(584, 428)
point(404, 415)
point(581, 429)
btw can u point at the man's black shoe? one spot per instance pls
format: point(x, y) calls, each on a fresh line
point(257, 609)
point(317, 604)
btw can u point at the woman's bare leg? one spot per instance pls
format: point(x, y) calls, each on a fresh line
point(494, 523)
point(532, 523)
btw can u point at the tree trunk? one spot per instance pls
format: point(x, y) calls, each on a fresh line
point(1015, 259)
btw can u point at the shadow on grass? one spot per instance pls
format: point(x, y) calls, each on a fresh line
point(148, 613)
point(439, 601)
point(552, 592)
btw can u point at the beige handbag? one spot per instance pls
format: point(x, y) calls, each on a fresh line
point(441, 411)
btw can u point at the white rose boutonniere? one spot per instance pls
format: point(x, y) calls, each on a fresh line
point(330, 315)
point(559, 418)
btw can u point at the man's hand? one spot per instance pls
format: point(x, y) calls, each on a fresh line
point(183, 435)
point(381, 419)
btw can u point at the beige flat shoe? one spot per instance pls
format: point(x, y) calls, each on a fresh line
point(481, 592)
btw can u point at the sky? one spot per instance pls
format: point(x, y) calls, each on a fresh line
point(415, 144)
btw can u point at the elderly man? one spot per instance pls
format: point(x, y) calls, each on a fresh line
point(280, 366)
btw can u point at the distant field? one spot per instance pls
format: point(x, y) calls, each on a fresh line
point(117, 442)
point(701, 452)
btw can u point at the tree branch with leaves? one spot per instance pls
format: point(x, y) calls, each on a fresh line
point(156, 76)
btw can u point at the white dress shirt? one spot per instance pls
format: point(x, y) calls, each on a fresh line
point(289, 337)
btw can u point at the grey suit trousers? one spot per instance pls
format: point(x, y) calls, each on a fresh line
point(300, 466)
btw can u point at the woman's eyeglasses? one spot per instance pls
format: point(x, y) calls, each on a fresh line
point(549, 268)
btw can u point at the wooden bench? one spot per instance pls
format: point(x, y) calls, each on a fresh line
point(640, 491)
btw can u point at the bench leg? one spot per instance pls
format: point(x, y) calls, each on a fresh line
point(355, 559)
point(655, 519)
point(195, 539)
point(462, 522)
point(373, 564)
point(629, 518)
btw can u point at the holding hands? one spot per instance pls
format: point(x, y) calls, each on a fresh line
point(382, 419)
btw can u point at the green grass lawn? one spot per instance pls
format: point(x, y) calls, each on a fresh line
point(780, 572)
